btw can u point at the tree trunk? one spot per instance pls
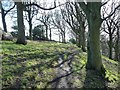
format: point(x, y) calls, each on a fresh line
point(62, 38)
point(30, 24)
point(94, 23)
point(30, 29)
point(64, 41)
point(83, 43)
point(21, 28)
point(110, 46)
point(50, 34)
point(46, 32)
point(116, 51)
point(81, 28)
point(3, 18)
point(59, 38)
point(117, 46)
point(79, 40)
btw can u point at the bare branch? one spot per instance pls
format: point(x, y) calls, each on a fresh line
point(105, 3)
point(83, 6)
point(45, 8)
point(9, 9)
point(111, 13)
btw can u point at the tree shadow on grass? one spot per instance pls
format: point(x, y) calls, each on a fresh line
point(41, 66)
point(94, 81)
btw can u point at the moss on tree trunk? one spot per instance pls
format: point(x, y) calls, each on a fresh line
point(94, 60)
point(21, 27)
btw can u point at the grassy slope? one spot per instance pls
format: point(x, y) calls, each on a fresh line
point(30, 65)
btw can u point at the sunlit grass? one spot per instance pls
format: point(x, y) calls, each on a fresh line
point(29, 65)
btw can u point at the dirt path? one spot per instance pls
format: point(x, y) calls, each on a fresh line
point(64, 71)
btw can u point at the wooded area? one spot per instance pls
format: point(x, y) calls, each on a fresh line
point(87, 54)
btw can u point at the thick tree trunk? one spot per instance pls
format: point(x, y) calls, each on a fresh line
point(110, 46)
point(3, 18)
point(21, 28)
point(94, 23)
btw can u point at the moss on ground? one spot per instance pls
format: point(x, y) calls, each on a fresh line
point(31, 65)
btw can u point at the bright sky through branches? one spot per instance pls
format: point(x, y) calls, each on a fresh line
point(49, 3)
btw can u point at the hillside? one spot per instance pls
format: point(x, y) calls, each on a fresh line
point(52, 65)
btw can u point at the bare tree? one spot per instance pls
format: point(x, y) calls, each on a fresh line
point(4, 13)
point(30, 12)
point(21, 27)
point(111, 28)
point(93, 15)
point(45, 20)
point(60, 24)
point(75, 18)
point(92, 11)
point(81, 19)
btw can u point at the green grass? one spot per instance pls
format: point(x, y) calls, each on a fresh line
point(112, 70)
point(30, 65)
point(111, 61)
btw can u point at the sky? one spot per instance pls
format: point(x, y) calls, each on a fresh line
point(9, 20)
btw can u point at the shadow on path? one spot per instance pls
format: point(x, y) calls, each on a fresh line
point(64, 72)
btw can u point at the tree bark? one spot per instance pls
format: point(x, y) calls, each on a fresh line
point(64, 38)
point(83, 43)
point(117, 46)
point(94, 60)
point(30, 28)
point(79, 40)
point(46, 31)
point(21, 28)
point(110, 44)
point(30, 22)
point(94, 23)
point(81, 20)
point(79, 37)
point(50, 34)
